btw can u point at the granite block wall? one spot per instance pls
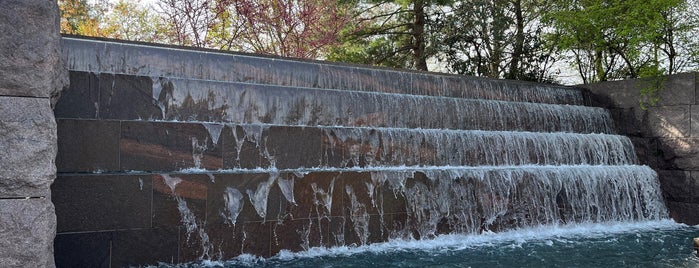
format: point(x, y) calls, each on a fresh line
point(31, 76)
point(666, 134)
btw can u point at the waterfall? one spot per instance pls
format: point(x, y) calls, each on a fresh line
point(263, 155)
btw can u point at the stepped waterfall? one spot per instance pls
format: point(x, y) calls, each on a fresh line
point(255, 155)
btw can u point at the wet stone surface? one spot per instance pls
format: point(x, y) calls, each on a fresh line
point(174, 155)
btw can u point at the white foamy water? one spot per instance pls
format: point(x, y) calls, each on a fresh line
point(542, 235)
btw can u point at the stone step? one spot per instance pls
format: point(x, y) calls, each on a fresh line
point(128, 97)
point(122, 146)
point(270, 209)
point(152, 60)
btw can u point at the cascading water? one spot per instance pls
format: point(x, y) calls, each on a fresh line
point(470, 166)
point(319, 156)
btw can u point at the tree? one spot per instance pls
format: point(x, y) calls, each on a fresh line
point(293, 28)
point(496, 38)
point(677, 40)
point(394, 33)
point(129, 20)
point(610, 39)
point(189, 21)
point(79, 18)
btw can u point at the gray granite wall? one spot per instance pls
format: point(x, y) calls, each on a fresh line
point(31, 75)
point(666, 135)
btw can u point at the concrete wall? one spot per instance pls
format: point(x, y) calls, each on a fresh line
point(666, 135)
point(31, 73)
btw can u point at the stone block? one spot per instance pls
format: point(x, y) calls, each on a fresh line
point(299, 235)
point(28, 140)
point(124, 248)
point(678, 89)
point(228, 241)
point(694, 121)
point(649, 153)
point(164, 146)
point(88, 145)
point(669, 121)
point(678, 185)
point(81, 54)
point(629, 121)
point(190, 194)
point(127, 97)
point(91, 249)
point(687, 213)
point(241, 148)
point(363, 230)
point(27, 228)
point(315, 195)
point(615, 94)
point(433, 85)
point(244, 197)
point(138, 248)
point(252, 146)
point(30, 62)
point(102, 202)
point(292, 147)
point(331, 76)
point(680, 153)
point(81, 98)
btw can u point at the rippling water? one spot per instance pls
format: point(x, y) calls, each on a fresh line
point(645, 244)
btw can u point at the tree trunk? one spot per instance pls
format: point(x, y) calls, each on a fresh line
point(599, 68)
point(514, 72)
point(419, 35)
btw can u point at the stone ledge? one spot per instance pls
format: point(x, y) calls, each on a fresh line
point(27, 228)
point(27, 136)
point(679, 89)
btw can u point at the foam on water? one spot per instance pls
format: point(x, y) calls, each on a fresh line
point(541, 235)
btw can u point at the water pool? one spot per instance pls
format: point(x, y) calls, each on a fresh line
point(642, 244)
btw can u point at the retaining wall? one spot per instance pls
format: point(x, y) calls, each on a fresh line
point(666, 135)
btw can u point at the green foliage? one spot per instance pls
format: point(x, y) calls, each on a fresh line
point(78, 17)
point(496, 38)
point(393, 33)
point(379, 52)
point(609, 39)
point(651, 86)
